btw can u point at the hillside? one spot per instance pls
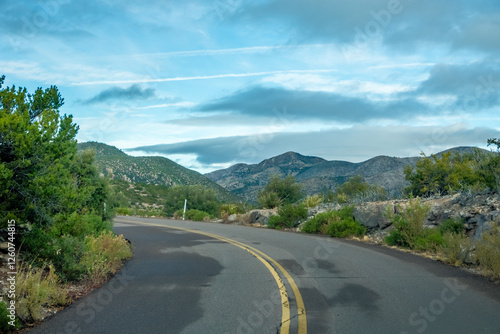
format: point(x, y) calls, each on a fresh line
point(316, 174)
point(116, 164)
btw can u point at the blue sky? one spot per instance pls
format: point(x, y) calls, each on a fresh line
point(213, 83)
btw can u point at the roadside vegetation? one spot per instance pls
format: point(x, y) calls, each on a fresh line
point(336, 223)
point(61, 207)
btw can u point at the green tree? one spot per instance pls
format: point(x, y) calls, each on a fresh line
point(357, 189)
point(198, 198)
point(280, 192)
point(452, 173)
point(45, 185)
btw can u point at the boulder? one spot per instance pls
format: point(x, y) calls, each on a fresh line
point(260, 216)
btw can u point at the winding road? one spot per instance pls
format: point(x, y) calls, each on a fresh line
point(193, 277)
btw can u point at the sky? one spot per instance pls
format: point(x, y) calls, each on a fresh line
point(210, 84)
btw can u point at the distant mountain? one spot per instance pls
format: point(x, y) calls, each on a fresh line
point(116, 164)
point(316, 174)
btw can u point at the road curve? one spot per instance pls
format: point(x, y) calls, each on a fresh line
point(190, 277)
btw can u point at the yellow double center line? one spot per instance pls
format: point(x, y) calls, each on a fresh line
point(273, 266)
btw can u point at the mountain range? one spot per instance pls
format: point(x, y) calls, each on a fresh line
point(317, 175)
point(243, 181)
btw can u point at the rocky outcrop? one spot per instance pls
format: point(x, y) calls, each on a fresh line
point(477, 211)
point(260, 216)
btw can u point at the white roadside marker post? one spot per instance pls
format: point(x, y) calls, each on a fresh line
point(184, 214)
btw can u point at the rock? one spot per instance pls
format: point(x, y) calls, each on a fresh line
point(324, 207)
point(260, 216)
point(373, 215)
point(477, 211)
point(232, 219)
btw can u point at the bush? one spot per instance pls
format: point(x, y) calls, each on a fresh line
point(104, 255)
point(314, 225)
point(280, 192)
point(36, 288)
point(410, 223)
point(396, 238)
point(230, 209)
point(430, 240)
point(339, 224)
point(63, 253)
point(195, 215)
point(488, 252)
point(456, 249)
point(313, 201)
point(451, 225)
point(288, 216)
point(276, 222)
point(5, 327)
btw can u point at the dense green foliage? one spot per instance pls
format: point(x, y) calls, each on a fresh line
point(451, 225)
point(54, 193)
point(198, 198)
point(289, 215)
point(452, 173)
point(357, 190)
point(194, 214)
point(339, 224)
point(280, 192)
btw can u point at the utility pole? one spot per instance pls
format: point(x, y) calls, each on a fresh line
point(184, 214)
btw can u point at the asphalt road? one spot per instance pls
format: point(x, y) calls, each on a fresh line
point(189, 277)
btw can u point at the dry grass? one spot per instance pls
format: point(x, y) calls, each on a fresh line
point(104, 255)
point(488, 252)
point(36, 289)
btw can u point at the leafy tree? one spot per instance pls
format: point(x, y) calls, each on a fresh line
point(280, 192)
point(451, 173)
point(198, 198)
point(45, 184)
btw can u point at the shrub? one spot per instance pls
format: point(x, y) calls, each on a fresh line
point(5, 327)
point(269, 200)
point(430, 240)
point(339, 224)
point(276, 222)
point(451, 225)
point(196, 215)
point(288, 216)
point(396, 238)
point(230, 209)
point(104, 255)
point(36, 288)
point(488, 251)
point(345, 228)
point(313, 201)
point(456, 249)
point(280, 192)
point(314, 225)
point(410, 223)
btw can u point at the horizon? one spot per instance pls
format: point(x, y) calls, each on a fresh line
point(211, 84)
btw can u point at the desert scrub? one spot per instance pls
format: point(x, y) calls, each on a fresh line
point(409, 228)
point(313, 201)
point(488, 251)
point(104, 255)
point(456, 249)
point(37, 288)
